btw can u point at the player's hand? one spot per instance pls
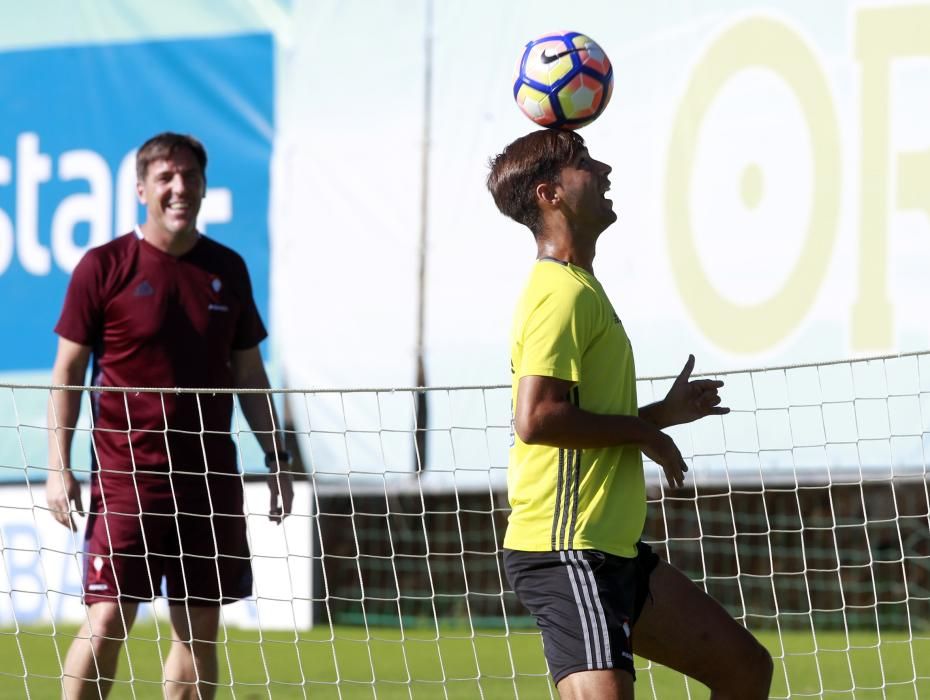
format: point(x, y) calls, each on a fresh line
point(281, 491)
point(690, 400)
point(664, 452)
point(61, 491)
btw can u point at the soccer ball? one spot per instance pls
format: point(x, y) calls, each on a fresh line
point(563, 80)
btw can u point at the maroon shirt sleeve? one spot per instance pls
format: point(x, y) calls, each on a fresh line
point(81, 317)
point(250, 330)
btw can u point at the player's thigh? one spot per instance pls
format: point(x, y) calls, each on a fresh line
point(110, 620)
point(193, 623)
point(685, 629)
point(611, 684)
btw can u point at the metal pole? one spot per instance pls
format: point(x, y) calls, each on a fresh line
point(421, 408)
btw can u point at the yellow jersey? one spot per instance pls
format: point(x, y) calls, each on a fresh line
point(565, 327)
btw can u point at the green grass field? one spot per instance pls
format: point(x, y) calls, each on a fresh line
point(384, 665)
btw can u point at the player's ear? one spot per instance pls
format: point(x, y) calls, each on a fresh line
point(140, 192)
point(546, 194)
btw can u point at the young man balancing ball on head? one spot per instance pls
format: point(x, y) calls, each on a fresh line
point(576, 487)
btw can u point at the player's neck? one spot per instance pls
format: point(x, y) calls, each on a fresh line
point(567, 251)
point(174, 243)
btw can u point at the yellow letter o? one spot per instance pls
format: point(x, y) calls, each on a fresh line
point(740, 328)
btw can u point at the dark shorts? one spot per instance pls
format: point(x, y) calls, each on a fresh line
point(585, 603)
point(189, 531)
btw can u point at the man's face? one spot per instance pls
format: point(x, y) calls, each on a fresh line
point(172, 191)
point(583, 184)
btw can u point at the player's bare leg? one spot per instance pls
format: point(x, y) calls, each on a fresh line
point(90, 665)
point(685, 629)
point(596, 685)
point(191, 668)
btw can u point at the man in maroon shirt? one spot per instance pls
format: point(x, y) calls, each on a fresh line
point(162, 306)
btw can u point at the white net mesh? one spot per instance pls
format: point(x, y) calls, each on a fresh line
point(805, 513)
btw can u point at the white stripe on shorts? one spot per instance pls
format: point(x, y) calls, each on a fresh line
point(590, 611)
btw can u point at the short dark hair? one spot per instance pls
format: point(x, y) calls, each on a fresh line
point(164, 145)
point(537, 157)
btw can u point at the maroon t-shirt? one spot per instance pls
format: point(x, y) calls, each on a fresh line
point(156, 320)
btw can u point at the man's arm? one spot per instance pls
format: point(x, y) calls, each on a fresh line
point(61, 488)
point(259, 411)
point(686, 401)
point(544, 415)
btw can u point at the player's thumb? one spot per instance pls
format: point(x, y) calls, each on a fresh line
point(685, 374)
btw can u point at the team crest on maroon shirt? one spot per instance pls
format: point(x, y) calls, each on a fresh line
point(144, 289)
point(216, 284)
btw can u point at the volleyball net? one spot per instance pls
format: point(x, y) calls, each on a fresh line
point(805, 512)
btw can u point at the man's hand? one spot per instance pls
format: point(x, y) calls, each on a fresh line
point(664, 452)
point(690, 400)
point(61, 490)
point(280, 486)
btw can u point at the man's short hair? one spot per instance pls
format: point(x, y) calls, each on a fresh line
point(163, 146)
point(530, 160)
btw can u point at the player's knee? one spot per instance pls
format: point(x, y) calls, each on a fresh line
point(107, 640)
point(762, 669)
point(108, 625)
point(198, 651)
point(750, 674)
point(204, 651)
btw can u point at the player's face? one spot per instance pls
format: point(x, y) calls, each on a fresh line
point(172, 191)
point(584, 184)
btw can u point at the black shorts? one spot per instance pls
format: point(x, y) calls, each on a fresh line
point(585, 603)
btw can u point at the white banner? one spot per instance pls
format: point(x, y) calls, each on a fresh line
point(40, 572)
point(770, 163)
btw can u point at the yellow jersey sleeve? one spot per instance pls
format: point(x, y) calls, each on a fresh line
point(552, 327)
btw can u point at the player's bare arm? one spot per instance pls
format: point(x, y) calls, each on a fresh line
point(686, 401)
point(544, 415)
point(62, 490)
point(249, 373)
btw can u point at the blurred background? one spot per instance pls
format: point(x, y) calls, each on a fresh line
point(770, 170)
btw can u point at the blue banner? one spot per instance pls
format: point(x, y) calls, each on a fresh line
point(71, 119)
